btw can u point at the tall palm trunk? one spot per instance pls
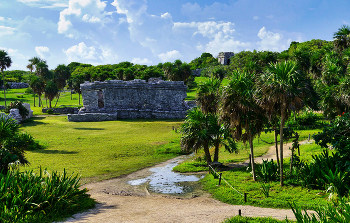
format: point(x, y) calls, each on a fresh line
point(283, 117)
point(34, 98)
point(276, 145)
point(216, 154)
point(207, 152)
point(252, 155)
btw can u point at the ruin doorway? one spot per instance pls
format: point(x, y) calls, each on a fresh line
point(101, 101)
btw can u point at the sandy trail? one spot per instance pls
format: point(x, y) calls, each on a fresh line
point(121, 202)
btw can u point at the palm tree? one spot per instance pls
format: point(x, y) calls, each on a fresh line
point(5, 62)
point(240, 109)
point(282, 85)
point(33, 62)
point(37, 84)
point(208, 95)
point(200, 130)
point(342, 38)
point(51, 90)
point(61, 75)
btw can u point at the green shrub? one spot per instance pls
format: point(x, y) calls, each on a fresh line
point(267, 171)
point(17, 104)
point(28, 91)
point(332, 213)
point(49, 111)
point(26, 197)
point(305, 120)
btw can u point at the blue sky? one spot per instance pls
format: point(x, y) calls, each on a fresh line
point(153, 31)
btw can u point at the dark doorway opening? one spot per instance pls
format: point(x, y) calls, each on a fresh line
point(101, 102)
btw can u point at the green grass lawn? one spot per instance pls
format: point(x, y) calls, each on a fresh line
point(101, 150)
point(13, 95)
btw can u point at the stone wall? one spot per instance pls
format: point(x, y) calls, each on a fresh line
point(15, 85)
point(14, 113)
point(224, 57)
point(67, 110)
point(134, 99)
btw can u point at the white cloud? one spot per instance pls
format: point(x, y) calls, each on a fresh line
point(2, 18)
point(166, 16)
point(207, 29)
point(270, 16)
point(108, 56)
point(80, 52)
point(141, 61)
point(256, 18)
point(43, 51)
point(13, 53)
point(50, 4)
point(170, 56)
point(6, 31)
point(272, 41)
point(81, 10)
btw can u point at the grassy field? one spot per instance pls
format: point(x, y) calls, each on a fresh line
point(101, 150)
point(20, 95)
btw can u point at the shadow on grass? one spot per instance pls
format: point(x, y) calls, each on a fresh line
point(55, 151)
point(89, 128)
point(34, 121)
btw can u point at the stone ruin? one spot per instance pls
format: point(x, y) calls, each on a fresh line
point(14, 113)
point(136, 99)
point(224, 57)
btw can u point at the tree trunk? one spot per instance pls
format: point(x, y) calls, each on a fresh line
point(207, 153)
point(71, 93)
point(58, 97)
point(49, 103)
point(252, 156)
point(34, 99)
point(3, 85)
point(79, 98)
point(216, 154)
point(39, 100)
point(276, 144)
point(283, 116)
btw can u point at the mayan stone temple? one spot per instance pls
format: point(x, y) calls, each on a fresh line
point(117, 99)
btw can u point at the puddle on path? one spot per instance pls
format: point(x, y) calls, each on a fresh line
point(164, 180)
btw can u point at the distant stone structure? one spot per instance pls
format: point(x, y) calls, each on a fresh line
point(18, 85)
point(117, 99)
point(224, 57)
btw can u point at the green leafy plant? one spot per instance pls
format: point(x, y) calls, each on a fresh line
point(50, 111)
point(27, 197)
point(267, 171)
point(265, 187)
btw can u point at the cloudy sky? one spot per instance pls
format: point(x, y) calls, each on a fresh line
point(153, 31)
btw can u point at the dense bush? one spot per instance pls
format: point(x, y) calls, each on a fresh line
point(27, 197)
point(267, 171)
point(305, 120)
point(22, 110)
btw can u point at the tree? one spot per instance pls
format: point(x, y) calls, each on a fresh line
point(51, 90)
point(177, 71)
point(9, 130)
point(282, 85)
point(208, 95)
point(5, 62)
point(77, 79)
point(341, 38)
point(61, 75)
point(33, 62)
point(197, 132)
point(240, 110)
point(37, 84)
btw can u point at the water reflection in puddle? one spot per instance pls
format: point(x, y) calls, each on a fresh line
point(164, 180)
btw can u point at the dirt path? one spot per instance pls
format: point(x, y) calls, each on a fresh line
point(121, 202)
